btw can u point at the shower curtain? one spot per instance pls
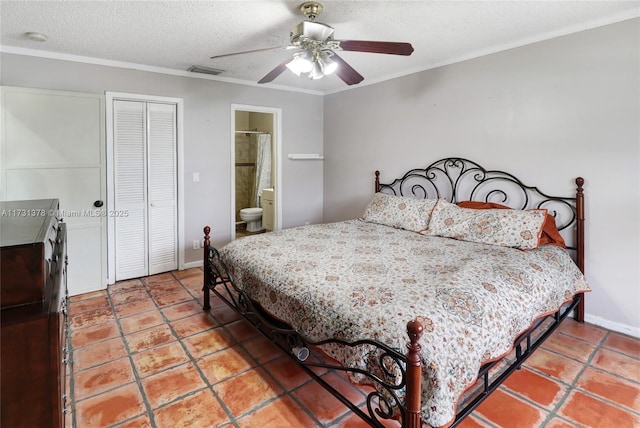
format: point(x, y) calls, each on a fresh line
point(263, 167)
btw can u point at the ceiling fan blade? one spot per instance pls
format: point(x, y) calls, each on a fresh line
point(275, 72)
point(347, 73)
point(393, 48)
point(251, 51)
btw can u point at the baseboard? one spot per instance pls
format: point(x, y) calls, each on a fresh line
point(190, 265)
point(76, 292)
point(613, 326)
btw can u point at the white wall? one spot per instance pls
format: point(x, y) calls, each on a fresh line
point(207, 134)
point(546, 112)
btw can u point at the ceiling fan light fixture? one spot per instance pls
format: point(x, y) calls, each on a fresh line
point(307, 58)
point(293, 67)
point(329, 66)
point(316, 72)
point(300, 64)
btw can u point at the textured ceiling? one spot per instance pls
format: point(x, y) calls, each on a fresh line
point(174, 35)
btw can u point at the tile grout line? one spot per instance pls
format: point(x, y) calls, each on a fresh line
point(136, 375)
point(599, 346)
point(193, 360)
point(588, 364)
point(261, 365)
point(572, 386)
point(150, 410)
point(128, 355)
point(289, 392)
point(552, 411)
point(187, 353)
point(71, 352)
point(258, 364)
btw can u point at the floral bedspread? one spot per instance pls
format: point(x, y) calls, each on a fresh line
point(353, 280)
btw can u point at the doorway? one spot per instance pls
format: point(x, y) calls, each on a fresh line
point(256, 171)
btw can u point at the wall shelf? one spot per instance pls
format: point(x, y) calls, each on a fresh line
point(305, 156)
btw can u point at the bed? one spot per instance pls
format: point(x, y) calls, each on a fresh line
point(453, 276)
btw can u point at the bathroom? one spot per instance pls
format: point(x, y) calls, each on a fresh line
point(254, 163)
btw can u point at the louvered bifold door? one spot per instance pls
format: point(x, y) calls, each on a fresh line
point(162, 186)
point(130, 184)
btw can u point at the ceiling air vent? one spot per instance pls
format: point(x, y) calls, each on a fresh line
point(204, 70)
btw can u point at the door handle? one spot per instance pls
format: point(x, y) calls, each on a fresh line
point(98, 204)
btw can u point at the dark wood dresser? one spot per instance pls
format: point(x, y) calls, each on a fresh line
point(33, 297)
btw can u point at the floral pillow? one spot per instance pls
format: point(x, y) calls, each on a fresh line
point(399, 212)
point(507, 228)
point(550, 233)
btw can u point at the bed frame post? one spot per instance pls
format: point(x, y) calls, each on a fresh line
point(580, 240)
point(205, 264)
point(377, 189)
point(414, 376)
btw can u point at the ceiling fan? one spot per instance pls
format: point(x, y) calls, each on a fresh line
point(315, 50)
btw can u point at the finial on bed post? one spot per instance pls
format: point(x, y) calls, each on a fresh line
point(205, 265)
point(580, 239)
point(377, 181)
point(414, 375)
point(207, 238)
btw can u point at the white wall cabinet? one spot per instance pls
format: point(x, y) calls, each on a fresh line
point(145, 188)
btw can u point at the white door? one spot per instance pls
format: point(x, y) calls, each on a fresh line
point(130, 184)
point(145, 188)
point(53, 146)
point(162, 195)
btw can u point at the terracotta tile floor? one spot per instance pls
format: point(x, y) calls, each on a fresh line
point(144, 354)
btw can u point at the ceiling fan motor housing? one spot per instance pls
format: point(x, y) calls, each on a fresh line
point(311, 30)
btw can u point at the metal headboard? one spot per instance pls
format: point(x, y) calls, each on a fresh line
point(459, 179)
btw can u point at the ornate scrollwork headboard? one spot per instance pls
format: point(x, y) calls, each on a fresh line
point(458, 179)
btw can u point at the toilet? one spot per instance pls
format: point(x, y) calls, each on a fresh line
point(253, 217)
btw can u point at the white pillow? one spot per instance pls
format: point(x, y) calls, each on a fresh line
point(399, 212)
point(507, 228)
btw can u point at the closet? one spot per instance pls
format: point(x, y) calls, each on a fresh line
point(145, 188)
